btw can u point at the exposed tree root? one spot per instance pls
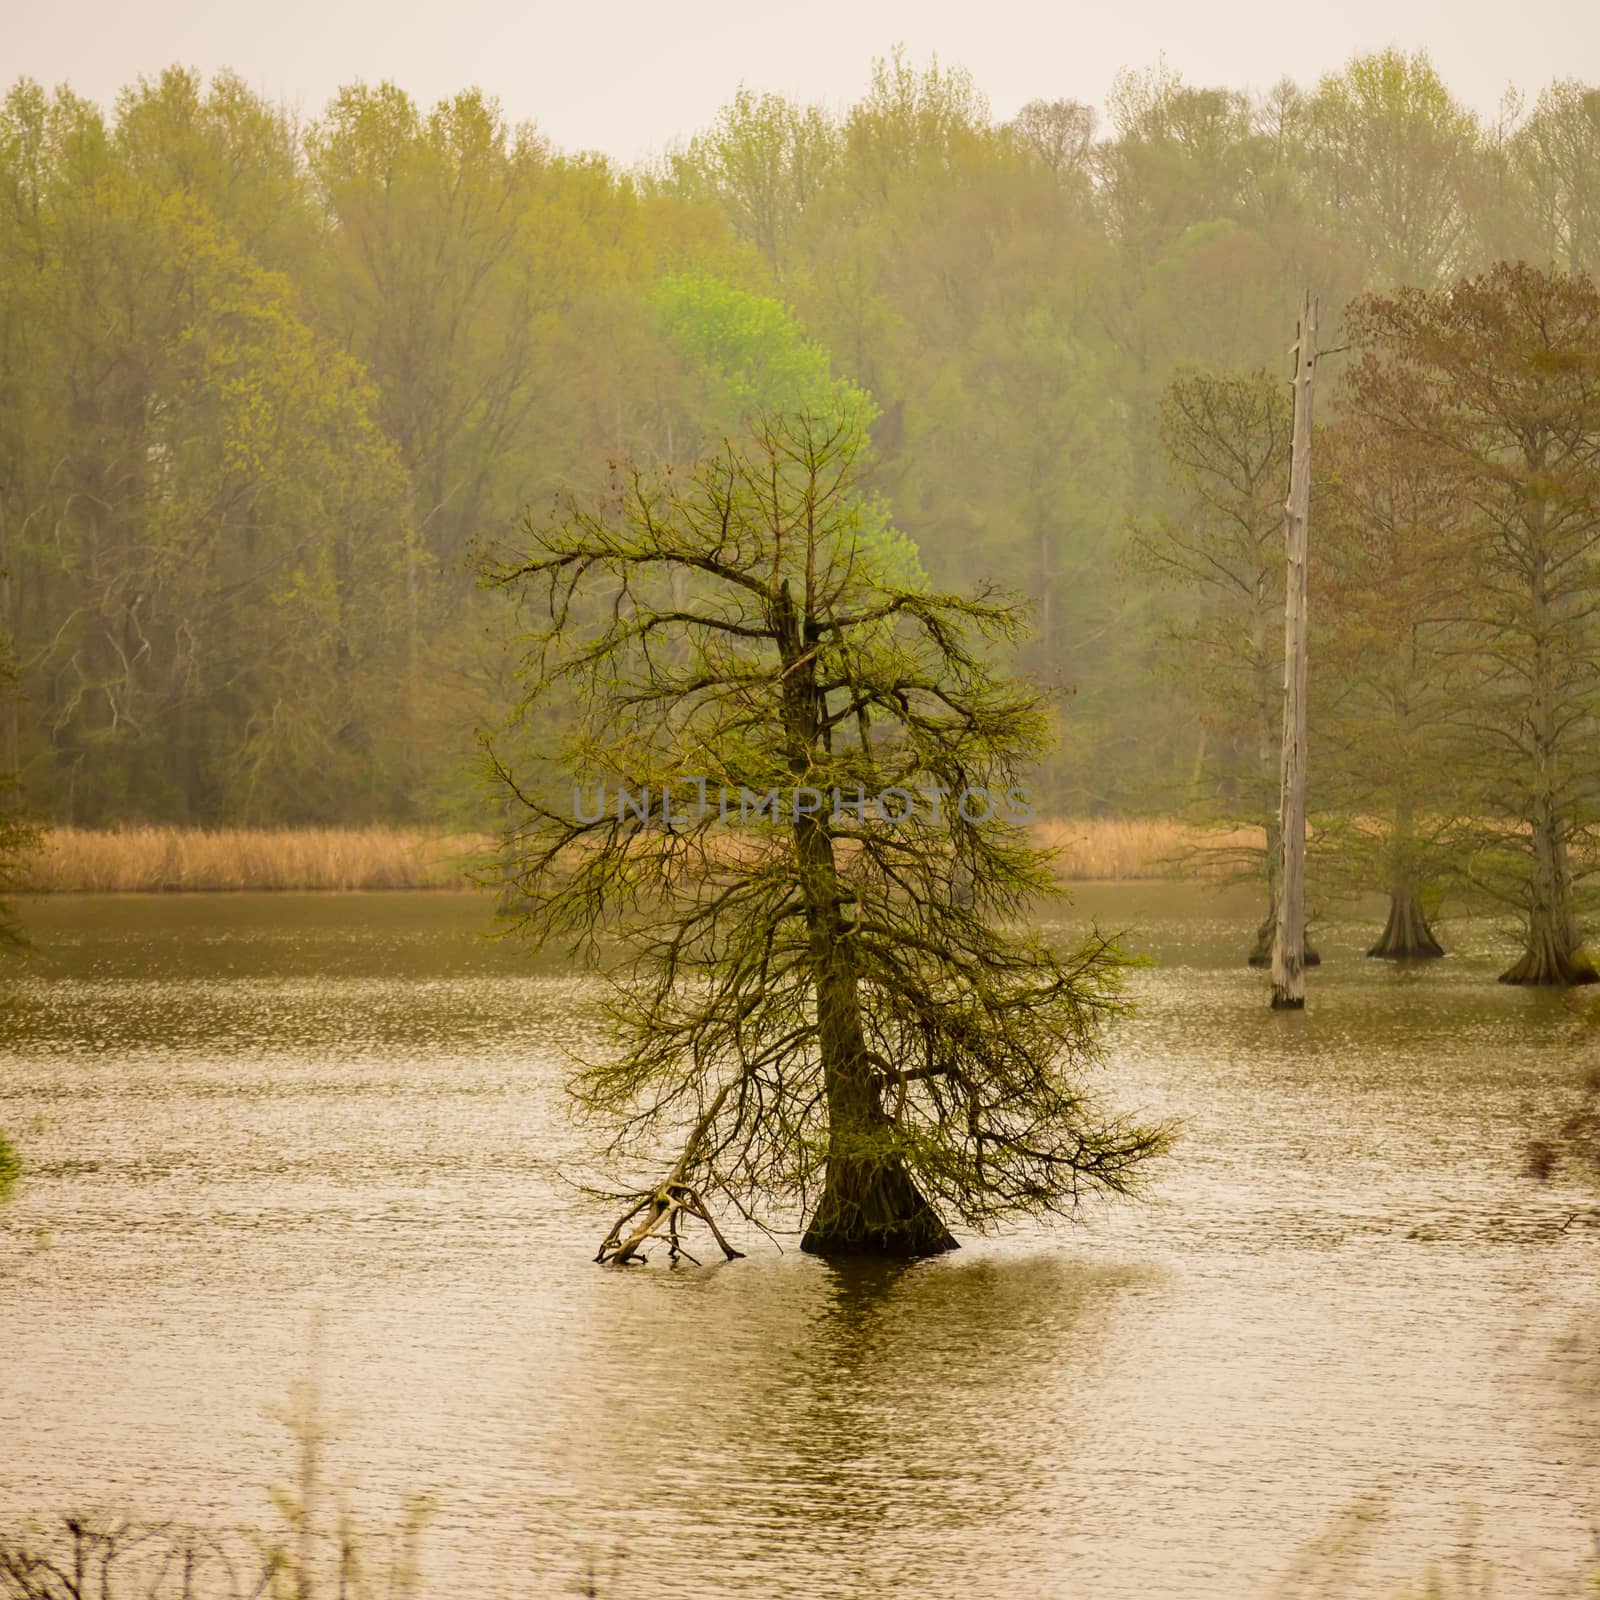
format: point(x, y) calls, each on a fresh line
point(661, 1208)
point(1551, 961)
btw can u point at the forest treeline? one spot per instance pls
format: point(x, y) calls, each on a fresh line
point(268, 385)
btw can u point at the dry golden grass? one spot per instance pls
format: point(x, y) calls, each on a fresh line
point(160, 859)
point(148, 859)
point(1105, 849)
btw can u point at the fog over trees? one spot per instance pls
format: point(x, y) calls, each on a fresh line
point(268, 387)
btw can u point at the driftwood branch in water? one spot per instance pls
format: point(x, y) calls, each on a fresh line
point(664, 1206)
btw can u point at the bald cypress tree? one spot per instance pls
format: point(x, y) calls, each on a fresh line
point(1493, 388)
point(1393, 585)
point(19, 838)
point(804, 865)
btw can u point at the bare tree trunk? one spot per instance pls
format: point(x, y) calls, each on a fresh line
point(1267, 934)
point(1288, 944)
point(1268, 736)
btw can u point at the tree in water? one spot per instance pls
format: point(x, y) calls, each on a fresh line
point(1495, 384)
point(1389, 574)
point(785, 810)
point(1220, 553)
point(18, 840)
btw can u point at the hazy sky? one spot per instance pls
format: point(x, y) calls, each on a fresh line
point(629, 77)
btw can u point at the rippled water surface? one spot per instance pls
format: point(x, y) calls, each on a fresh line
point(247, 1118)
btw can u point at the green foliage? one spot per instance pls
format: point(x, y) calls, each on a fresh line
point(759, 364)
point(265, 386)
point(755, 350)
point(837, 1001)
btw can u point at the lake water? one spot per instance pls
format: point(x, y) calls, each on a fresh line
point(261, 1126)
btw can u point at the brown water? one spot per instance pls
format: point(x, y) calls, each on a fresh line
point(248, 1115)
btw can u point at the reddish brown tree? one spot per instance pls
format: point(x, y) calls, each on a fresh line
point(1387, 571)
point(1494, 385)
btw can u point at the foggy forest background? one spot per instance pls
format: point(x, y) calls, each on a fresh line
point(267, 386)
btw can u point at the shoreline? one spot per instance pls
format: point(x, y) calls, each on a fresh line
point(176, 860)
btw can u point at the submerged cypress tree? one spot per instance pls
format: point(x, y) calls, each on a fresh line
point(1492, 386)
point(805, 865)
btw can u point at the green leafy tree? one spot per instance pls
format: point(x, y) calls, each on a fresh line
point(764, 161)
point(1397, 158)
point(204, 528)
point(756, 362)
point(437, 287)
point(1556, 153)
point(235, 155)
point(1181, 157)
point(830, 1007)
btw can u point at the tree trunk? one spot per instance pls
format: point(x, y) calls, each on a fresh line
point(1406, 936)
point(1288, 942)
point(870, 1204)
point(1261, 950)
point(1552, 954)
point(1550, 958)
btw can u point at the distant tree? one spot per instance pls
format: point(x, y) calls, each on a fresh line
point(204, 527)
point(911, 124)
point(1388, 577)
point(1060, 135)
point(763, 161)
point(1556, 153)
point(19, 838)
point(435, 286)
point(1220, 554)
point(1046, 525)
point(1492, 387)
point(1181, 157)
point(1396, 160)
point(230, 152)
point(828, 1005)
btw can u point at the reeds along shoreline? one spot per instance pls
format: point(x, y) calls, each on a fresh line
point(149, 860)
point(144, 860)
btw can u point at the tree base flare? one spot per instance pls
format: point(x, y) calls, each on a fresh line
point(1406, 936)
point(1547, 962)
point(875, 1212)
